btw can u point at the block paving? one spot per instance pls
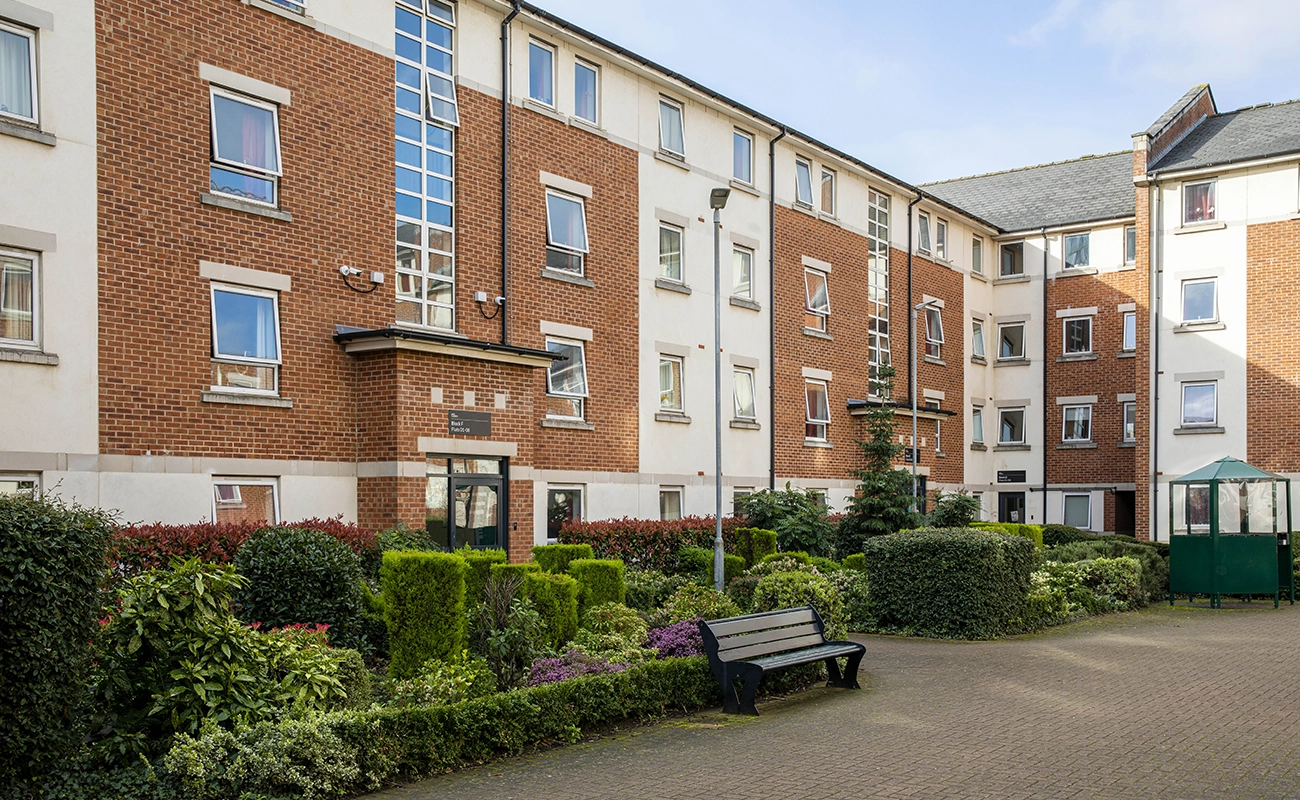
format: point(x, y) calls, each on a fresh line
point(1173, 703)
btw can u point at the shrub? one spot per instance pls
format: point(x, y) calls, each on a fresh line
point(599, 581)
point(801, 557)
point(556, 599)
point(694, 600)
point(855, 561)
point(965, 583)
point(572, 664)
point(401, 537)
point(679, 640)
point(443, 682)
point(695, 563)
point(782, 562)
point(1044, 606)
point(798, 517)
point(1054, 535)
point(1033, 533)
point(1098, 586)
point(138, 548)
point(521, 571)
point(51, 567)
point(555, 558)
point(648, 589)
point(613, 632)
point(825, 565)
point(174, 656)
point(480, 566)
point(424, 608)
point(1155, 567)
point(854, 591)
point(741, 592)
point(754, 543)
point(355, 680)
point(506, 628)
point(794, 589)
point(298, 575)
point(953, 510)
point(649, 544)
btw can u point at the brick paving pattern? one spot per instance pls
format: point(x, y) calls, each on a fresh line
point(1167, 703)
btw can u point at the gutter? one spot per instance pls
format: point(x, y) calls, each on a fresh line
point(505, 173)
point(1153, 373)
point(344, 335)
point(771, 275)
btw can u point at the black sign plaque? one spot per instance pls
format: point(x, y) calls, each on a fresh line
point(469, 423)
point(911, 455)
point(1011, 476)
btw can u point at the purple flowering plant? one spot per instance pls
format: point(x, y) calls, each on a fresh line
point(677, 640)
point(570, 665)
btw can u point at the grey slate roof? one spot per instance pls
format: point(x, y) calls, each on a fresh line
point(1086, 189)
point(1243, 135)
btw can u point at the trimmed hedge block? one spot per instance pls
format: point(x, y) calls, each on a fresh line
point(600, 581)
point(797, 555)
point(732, 567)
point(424, 608)
point(855, 561)
point(1033, 533)
point(695, 562)
point(556, 599)
point(555, 558)
point(951, 583)
point(480, 567)
point(520, 571)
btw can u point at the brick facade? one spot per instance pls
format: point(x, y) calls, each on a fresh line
point(1272, 369)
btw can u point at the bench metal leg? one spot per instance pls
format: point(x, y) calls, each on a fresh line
point(730, 703)
point(848, 679)
point(752, 676)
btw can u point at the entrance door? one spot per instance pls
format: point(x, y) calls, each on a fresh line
point(465, 502)
point(1011, 506)
point(476, 520)
point(1125, 512)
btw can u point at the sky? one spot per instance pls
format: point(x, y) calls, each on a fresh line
point(933, 90)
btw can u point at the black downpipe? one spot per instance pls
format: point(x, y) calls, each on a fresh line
point(1045, 398)
point(505, 173)
point(1155, 293)
point(911, 332)
point(771, 275)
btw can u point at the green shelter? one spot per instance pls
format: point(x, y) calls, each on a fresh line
point(1230, 527)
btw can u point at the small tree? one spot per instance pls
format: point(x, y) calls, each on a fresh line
point(953, 510)
point(798, 517)
point(883, 502)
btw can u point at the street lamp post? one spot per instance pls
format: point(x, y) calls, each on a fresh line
point(915, 454)
point(717, 201)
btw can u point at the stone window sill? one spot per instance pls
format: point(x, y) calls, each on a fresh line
point(803, 209)
point(813, 332)
point(981, 360)
point(672, 158)
point(17, 356)
point(672, 416)
point(1197, 327)
point(228, 398)
point(1208, 429)
point(744, 302)
point(1126, 354)
point(817, 443)
point(1077, 446)
point(1011, 362)
point(979, 276)
point(281, 11)
point(978, 446)
point(544, 110)
point(1127, 444)
point(672, 286)
point(1065, 273)
point(1006, 447)
point(588, 126)
point(1200, 226)
point(30, 133)
point(933, 360)
point(1011, 279)
point(248, 208)
point(565, 277)
point(568, 424)
point(746, 424)
point(741, 186)
point(1077, 357)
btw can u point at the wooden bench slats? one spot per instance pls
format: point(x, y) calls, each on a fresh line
point(759, 622)
point(744, 653)
point(804, 656)
point(726, 646)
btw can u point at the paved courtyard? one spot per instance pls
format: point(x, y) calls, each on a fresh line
point(1165, 703)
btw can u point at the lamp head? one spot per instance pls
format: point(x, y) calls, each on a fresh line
point(718, 198)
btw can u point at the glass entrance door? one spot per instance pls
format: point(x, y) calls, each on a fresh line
point(476, 521)
point(1011, 506)
point(464, 502)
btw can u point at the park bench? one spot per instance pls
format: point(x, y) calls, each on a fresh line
point(745, 648)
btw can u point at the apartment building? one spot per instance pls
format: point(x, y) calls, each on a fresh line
point(517, 327)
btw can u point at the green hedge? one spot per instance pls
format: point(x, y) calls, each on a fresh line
point(356, 680)
point(952, 583)
point(521, 571)
point(752, 544)
point(855, 561)
point(480, 567)
point(732, 567)
point(556, 599)
point(600, 580)
point(52, 562)
point(797, 555)
point(1155, 567)
point(648, 589)
point(1054, 535)
point(424, 608)
point(555, 558)
point(695, 563)
point(1033, 533)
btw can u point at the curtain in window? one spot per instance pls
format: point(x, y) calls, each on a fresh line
point(933, 326)
point(818, 407)
point(245, 134)
point(1076, 251)
point(1198, 202)
point(566, 223)
point(16, 300)
point(15, 74)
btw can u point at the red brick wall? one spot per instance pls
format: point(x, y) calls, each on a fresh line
point(1202, 107)
point(1272, 367)
point(1141, 292)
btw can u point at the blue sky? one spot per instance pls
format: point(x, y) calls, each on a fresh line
point(934, 90)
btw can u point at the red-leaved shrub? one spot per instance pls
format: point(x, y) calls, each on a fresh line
point(649, 543)
point(137, 548)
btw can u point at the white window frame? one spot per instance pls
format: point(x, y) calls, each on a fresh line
point(923, 232)
point(681, 252)
point(274, 483)
point(1065, 337)
point(1021, 355)
point(236, 166)
point(1065, 425)
point(977, 424)
point(977, 255)
point(35, 259)
point(572, 488)
point(555, 59)
point(679, 367)
point(1124, 410)
point(824, 316)
point(941, 239)
point(582, 63)
point(666, 102)
point(18, 477)
point(1023, 420)
point(586, 232)
point(800, 161)
point(1065, 250)
point(738, 133)
point(808, 417)
point(748, 373)
point(977, 343)
point(933, 345)
point(737, 250)
point(1182, 404)
point(1011, 247)
point(1065, 500)
point(582, 396)
point(1213, 183)
point(299, 6)
point(738, 492)
point(677, 490)
point(1130, 229)
point(1182, 306)
point(827, 172)
point(1125, 320)
point(235, 497)
point(216, 355)
point(30, 36)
